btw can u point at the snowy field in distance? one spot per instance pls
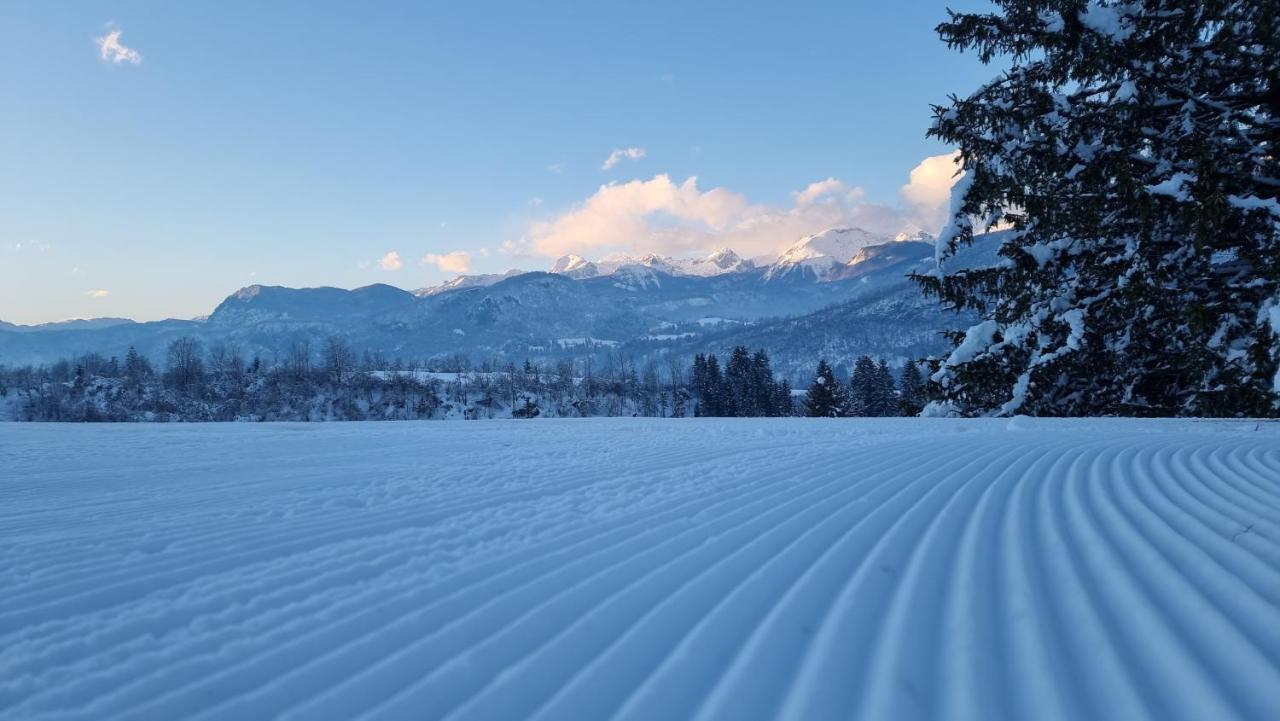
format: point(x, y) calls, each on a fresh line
point(642, 569)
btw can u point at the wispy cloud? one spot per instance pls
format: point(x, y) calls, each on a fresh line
point(30, 246)
point(557, 168)
point(459, 261)
point(99, 293)
point(390, 261)
point(111, 50)
point(830, 190)
point(621, 154)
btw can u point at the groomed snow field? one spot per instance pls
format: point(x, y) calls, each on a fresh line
point(642, 569)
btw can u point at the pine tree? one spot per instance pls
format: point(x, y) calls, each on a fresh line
point(1131, 151)
point(910, 390)
point(739, 397)
point(762, 385)
point(863, 394)
point(885, 398)
point(698, 381)
point(826, 397)
point(781, 405)
point(136, 369)
point(714, 396)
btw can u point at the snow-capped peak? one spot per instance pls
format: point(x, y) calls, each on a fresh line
point(466, 281)
point(724, 257)
point(719, 262)
point(821, 253)
point(575, 266)
point(249, 292)
point(915, 234)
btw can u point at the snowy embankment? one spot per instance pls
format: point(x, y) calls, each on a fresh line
point(642, 569)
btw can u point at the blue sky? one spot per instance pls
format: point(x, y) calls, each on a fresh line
point(301, 143)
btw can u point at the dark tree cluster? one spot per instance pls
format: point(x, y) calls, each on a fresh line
point(746, 387)
point(872, 391)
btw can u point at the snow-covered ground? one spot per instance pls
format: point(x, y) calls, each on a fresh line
point(642, 569)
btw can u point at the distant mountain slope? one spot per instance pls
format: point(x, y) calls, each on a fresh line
point(895, 323)
point(150, 339)
point(821, 254)
point(466, 281)
point(722, 261)
point(828, 304)
point(74, 324)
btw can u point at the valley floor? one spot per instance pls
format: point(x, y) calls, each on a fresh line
point(642, 569)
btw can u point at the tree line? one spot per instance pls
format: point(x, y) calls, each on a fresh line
point(872, 391)
point(745, 387)
point(334, 382)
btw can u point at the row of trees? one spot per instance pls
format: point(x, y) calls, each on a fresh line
point(746, 386)
point(219, 383)
point(872, 391)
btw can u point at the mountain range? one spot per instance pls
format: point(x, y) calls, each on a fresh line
point(835, 294)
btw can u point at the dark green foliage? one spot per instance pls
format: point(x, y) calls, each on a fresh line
point(826, 397)
point(1131, 150)
point(872, 389)
point(910, 390)
point(885, 393)
point(862, 388)
point(746, 388)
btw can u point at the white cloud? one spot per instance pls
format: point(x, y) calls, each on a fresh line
point(459, 261)
point(928, 194)
point(827, 191)
point(390, 261)
point(36, 246)
point(662, 216)
point(111, 50)
point(622, 154)
point(557, 168)
point(98, 293)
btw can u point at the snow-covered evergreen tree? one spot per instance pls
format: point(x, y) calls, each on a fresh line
point(763, 385)
point(910, 390)
point(712, 400)
point(739, 398)
point(1131, 152)
point(826, 397)
point(863, 394)
point(885, 398)
point(782, 405)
